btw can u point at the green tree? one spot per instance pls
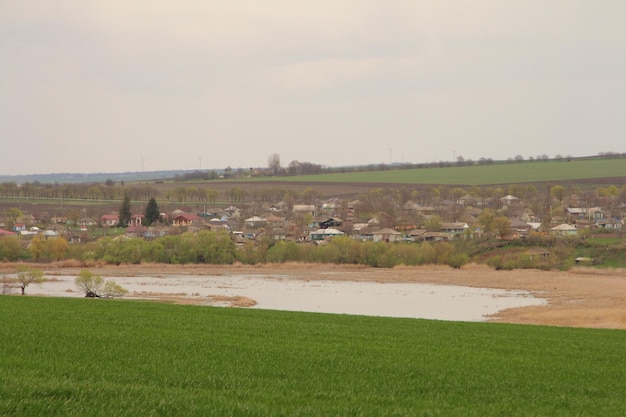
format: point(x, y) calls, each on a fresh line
point(125, 211)
point(112, 290)
point(558, 192)
point(57, 247)
point(486, 218)
point(37, 246)
point(433, 223)
point(501, 225)
point(152, 213)
point(10, 249)
point(89, 283)
point(13, 214)
point(29, 276)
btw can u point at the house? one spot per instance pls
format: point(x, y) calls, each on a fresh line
point(4, 232)
point(217, 224)
point(373, 222)
point(278, 233)
point(610, 224)
point(564, 229)
point(110, 220)
point(410, 205)
point(509, 199)
point(330, 205)
point(454, 228)
point(519, 229)
point(331, 222)
point(435, 237)
point(468, 200)
point(50, 233)
point(87, 222)
point(31, 232)
point(276, 221)
point(416, 234)
point(74, 239)
point(324, 234)
point(155, 231)
point(304, 209)
point(232, 211)
point(596, 213)
point(386, 235)
point(574, 213)
point(186, 219)
point(364, 233)
point(255, 222)
point(136, 220)
point(58, 220)
point(358, 226)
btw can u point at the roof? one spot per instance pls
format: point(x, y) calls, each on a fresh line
point(189, 217)
point(303, 207)
point(457, 225)
point(509, 197)
point(327, 232)
point(386, 231)
point(564, 227)
point(256, 219)
point(576, 210)
point(110, 217)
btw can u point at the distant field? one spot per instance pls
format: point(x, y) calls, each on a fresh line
point(76, 357)
point(500, 173)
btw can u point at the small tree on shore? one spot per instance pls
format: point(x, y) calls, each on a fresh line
point(29, 276)
point(112, 290)
point(89, 283)
point(94, 286)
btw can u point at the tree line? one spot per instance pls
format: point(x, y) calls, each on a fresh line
point(209, 247)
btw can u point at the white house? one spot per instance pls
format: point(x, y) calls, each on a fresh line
point(323, 234)
point(386, 235)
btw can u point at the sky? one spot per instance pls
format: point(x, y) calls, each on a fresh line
point(144, 85)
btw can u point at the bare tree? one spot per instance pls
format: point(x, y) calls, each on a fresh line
point(273, 163)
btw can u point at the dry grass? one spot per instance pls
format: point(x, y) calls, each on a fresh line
point(233, 301)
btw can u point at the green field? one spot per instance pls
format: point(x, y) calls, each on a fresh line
point(499, 173)
point(77, 357)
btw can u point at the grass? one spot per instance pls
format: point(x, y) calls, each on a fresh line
point(500, 173)
point(74, 357)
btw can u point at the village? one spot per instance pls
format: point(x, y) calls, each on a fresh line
point(377, 216)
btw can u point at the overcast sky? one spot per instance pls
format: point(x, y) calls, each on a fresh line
point(116, 86)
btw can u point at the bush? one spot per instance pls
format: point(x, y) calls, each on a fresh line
point(458, 259)
point(10, 249)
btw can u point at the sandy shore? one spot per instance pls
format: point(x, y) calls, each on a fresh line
point(578, 298)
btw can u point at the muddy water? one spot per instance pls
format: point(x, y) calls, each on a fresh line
point(412, 300)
